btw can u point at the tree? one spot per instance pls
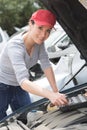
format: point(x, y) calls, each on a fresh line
point(15, 13)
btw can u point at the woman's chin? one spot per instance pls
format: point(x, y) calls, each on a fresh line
point(39, 42)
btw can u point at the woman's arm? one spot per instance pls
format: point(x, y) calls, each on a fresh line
point(51, 78)
point(55, 97)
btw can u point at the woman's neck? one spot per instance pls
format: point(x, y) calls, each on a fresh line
point(29, 43)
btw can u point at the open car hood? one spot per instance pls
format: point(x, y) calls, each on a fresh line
point(72, 16)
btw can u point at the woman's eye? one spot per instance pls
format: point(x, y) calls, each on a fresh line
point(49, 30)
point(40, 28)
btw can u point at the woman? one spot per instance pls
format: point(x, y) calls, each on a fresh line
point(21, 53)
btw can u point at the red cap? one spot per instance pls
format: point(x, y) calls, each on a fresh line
point(44, 17)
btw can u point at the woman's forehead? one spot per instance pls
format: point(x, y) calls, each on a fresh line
point(44, 26)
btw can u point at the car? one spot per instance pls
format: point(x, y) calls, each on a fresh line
point(41, 114)
point(4, 37)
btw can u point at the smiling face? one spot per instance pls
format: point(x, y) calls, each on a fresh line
point(39, 33)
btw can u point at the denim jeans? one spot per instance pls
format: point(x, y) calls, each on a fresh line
point(14, 96)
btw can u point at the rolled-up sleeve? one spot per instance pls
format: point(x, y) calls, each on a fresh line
point(43, 57)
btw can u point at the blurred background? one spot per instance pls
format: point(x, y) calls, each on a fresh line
point(16, 13)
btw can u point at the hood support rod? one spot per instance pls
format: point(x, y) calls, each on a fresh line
point(74, 76)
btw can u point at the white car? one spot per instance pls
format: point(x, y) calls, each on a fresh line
point(3, 38)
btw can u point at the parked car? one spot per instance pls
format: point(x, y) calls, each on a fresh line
point(3, 38)
point(72, 73)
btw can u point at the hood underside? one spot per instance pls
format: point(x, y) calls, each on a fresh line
point(72, 16)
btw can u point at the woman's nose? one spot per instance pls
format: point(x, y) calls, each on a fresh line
point(43, 34)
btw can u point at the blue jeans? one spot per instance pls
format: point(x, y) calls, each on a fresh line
point(14, 96)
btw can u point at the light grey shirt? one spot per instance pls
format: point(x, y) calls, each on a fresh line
point(15, 61)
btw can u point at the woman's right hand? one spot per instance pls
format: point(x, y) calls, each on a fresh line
point(58, 99)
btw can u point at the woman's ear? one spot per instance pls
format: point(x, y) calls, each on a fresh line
point(30, 25)
point(31, 22)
